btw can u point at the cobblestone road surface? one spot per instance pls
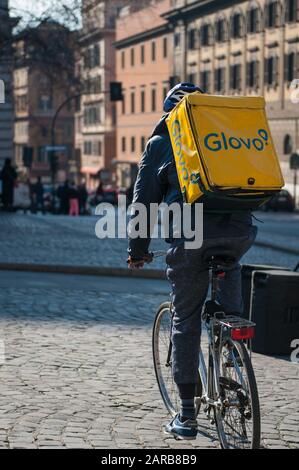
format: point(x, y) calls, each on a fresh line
point(71, 241)
point(78, 369)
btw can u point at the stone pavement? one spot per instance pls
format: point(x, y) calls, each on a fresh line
point(62, 240)
point(78, 369)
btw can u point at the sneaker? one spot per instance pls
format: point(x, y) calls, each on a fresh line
point(182, 429)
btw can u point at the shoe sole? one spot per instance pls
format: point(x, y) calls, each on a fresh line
point(179, 437)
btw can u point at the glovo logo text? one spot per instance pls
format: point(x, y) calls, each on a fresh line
point(218, 142)
point(177, 137)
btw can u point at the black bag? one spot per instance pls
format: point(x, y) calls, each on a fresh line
point(274, 307)
point(246, 273)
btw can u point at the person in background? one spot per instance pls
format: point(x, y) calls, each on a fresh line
point(38, 196)
point(83, 195)
point(73, 199)
point(63, 196)
point(8, 176)
point(99, 192)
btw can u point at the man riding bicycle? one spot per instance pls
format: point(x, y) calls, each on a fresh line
point(229, 233)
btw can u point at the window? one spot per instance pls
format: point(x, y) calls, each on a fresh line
point(153, 51)
point(21, 129)
point(236, 26)
point(235, 77)
point(113, 115)
point(123, 144)
point(142, 101)
point(92, 56)
point(252, 78)
point(191, 77)
point(93, 85)
point(290, 66)
point(123, 59)
point(132, 102)
point(97, 55)
point(271, 14)
point(154, 99)
point(142, 54)
point(219, 79)
point(253, 20)
point(177, 40)
point(291, 11)
point(271, 71)
point(132, 57)
point(191, 39)
point(78, 103)
point(92, 114)
point(88, 147)
point(206, 34)
point(220, 30)
point(41, 155)
point(21, 103)
point(287, 145)
point(165, 48)
point(97, 148)
point(205, 80)
point(45, 102)
point(142, 144)
point(133, 145)
point(123, 103)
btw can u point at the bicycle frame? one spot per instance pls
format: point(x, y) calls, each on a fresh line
point(210, 375)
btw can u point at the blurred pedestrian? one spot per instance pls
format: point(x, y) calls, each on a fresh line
point(63, 196)
point(38, 196)
point(83, 195)
point(73, 200)
point(8, 176)
point(99, 192)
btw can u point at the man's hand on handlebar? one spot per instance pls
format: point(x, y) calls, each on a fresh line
point(137, 263)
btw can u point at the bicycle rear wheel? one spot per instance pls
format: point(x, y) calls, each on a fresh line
point(161, 343)
point(238, 421)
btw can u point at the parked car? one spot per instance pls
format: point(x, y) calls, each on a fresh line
point(283, 201)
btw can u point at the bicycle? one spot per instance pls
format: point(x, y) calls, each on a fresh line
point(226, 385)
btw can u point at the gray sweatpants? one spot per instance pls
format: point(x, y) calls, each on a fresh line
point(188, 273)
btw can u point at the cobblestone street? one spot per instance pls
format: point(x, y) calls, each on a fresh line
point(70, 241)
point(78, 368)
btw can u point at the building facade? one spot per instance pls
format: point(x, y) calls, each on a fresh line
point(6, 101)
point(243, 47)
point(95, 138)
point(40, 87)
point(143, 65)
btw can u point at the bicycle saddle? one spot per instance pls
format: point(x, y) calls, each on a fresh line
point(221, 259)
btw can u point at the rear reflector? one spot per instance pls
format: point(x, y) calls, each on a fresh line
point(242, 333)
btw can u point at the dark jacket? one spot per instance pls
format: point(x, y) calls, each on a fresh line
point(157, 181)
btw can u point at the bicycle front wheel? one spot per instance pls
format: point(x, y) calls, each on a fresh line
point(161, 343)
point(238, 420)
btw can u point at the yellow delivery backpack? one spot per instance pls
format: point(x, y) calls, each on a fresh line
point(224, 152)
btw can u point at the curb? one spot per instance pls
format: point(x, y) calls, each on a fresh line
point(283, 249)
point(110, 271)
point(84, 270)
